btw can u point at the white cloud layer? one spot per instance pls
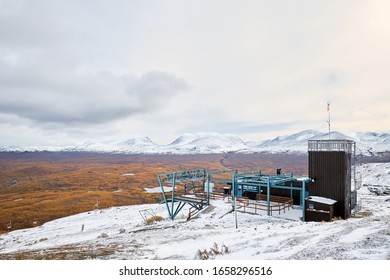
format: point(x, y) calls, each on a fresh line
point(76, 70)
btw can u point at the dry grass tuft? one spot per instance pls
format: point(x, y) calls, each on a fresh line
point(153, 219)
point(363, 214)
point(212, 252)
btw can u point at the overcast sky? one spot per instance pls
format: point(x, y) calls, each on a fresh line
point(72, 71)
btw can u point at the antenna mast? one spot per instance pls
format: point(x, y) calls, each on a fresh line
point(328, 109)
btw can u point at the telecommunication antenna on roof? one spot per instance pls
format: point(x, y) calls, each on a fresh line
point(328, 109)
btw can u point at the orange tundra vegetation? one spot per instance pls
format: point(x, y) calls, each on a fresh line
point(38, 187)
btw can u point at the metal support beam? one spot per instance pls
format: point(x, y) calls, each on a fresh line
point(303, 200)
point(268, 197)
point(179, 207)
point(164, 195)
point(208, 188)
point(175, 203)
point(234, 198)
point(249, 182)
point(173, 195)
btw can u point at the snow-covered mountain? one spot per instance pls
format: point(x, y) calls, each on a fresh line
point(93, 146)
point(135, 145)
point(372, 142)
point(206, 143)
point(368, 143)
point(297, 142)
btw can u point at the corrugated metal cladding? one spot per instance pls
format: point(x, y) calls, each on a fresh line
point(331, 171)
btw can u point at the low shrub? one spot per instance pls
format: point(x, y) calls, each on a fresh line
point(212, 252)
point(153, 219)
point(103, 235)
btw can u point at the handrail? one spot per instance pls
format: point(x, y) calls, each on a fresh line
point(245, 203)
point(332, 145)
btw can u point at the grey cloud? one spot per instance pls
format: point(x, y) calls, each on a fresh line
point(155, 88)
point(93, 98)
point(19, 25)
point(47, 76)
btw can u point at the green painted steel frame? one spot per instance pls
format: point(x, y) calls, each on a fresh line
point(251, 178)
point(257, 179)
point(176, 177)
point(210, 179)
point(174, 204)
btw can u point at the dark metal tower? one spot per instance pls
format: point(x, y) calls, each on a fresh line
point(330, 167)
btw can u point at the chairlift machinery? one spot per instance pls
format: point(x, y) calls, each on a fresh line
point(176, 201)
point(255, 181)
point(252, 181)
point(198, 178)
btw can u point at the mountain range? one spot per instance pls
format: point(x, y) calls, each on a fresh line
point(368, 143)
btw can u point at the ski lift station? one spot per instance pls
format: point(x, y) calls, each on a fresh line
point(322, 195)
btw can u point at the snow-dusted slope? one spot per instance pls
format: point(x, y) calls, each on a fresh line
point(375, 178)
point(120, 233)
point(372, 142)
point(132, 145)
point(92, 146)
point(136, 145)
point(294, 142)
point(206, 143)
point(367, 143)
point(298, 141)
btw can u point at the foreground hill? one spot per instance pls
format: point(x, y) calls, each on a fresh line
point(121, 233)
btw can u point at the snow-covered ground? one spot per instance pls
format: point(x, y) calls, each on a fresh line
point(121, 233)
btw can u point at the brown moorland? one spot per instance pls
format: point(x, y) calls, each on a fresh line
point(36, 187)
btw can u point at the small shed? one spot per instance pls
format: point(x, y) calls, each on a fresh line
point(227, 189)
point(319, 208)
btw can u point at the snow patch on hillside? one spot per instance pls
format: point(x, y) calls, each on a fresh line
point(378, 184)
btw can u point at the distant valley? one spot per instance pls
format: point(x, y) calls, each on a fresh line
point(39, 184)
